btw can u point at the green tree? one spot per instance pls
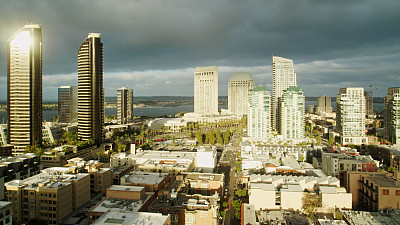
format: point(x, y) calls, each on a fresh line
point(199, 137)
point(310, 202)
point(223, 214)
point(241, 192)
point(390, 169)
point(237, 204)
point(225, 204)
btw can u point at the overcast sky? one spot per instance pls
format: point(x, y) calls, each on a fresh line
point(153, 46)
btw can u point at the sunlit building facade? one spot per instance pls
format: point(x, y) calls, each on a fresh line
point(90, 89)
point(124, 105)
point(291, 109)
point(283, 77)
point(239, 87)
point(259, 116)
point(206, 90)
point(392, 115)
point(350, 115)
point(24, 87)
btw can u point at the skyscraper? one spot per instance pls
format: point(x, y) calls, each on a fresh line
point(259, 115)
point(68, 104)
point(392, 115)
point(324, 105)
point(90, 89)
point(283, 77)
point(24, 92)
point(206, 90)
point(291, 109)
point(238, 93)
point(350, 115)
point(124, 105)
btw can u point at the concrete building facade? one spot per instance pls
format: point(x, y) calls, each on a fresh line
point(124, 105)
point(324, 105)
point(239, 87)
point(291, 113)
point(24, 87)
point(206, 90)
point(68, 104)
point(350, 116)
point(283, 77)
point(90, 89)
point(259, 116)
point(392, 115)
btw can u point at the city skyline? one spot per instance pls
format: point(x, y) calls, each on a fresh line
point(339, 45)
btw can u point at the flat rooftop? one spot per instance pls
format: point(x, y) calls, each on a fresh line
point(125, 188)
point(373, 218)
point(142, 218)
point(382, 180)
point(144, 178)
point(109, 204)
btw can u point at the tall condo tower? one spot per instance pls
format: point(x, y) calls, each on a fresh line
point(24, 87)
point(259, 122)
point(238, 93)
point(392, 115)
point(324, 105)
point(350, 115)
point(90, 89)
point(68, 104)
point(124, 105)
point(206, 90)
point(291, 108)
point(283, 77)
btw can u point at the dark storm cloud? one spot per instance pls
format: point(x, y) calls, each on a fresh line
point(333, 43)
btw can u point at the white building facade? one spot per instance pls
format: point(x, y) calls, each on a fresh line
point(283, 77)
point(206, 90)
point(258, 119)
point(239, 87)
point(392, 115)
point(350, 115)
point(291, 109)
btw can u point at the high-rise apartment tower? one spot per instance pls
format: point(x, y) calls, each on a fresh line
point(324, 105)
point(24, 87)
point(124, 105)
point(90, 89)
point(259, 115)
point(392, 115)
point(350, 115)
point(291, 109)
point(239, 87)
point(68, 104)
point(283, 77)
point(206, 90)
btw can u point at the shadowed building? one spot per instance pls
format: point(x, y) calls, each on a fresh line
point(67, 104)
point(124, 105)
point(90, 89)
point(324, 105)
point(24, 92)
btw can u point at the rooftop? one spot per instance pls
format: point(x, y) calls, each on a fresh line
point(142, 218)
point(241, 77)
point(143, 178)
point(381, 180)
point(127, 205)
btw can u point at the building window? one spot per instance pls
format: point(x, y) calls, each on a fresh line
point(397, 192)
point(385, 192)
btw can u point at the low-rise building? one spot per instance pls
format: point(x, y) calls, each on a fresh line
point(153, 182)
point(49, 196)
point(192, 198)
point(6, 213)
point(334, 198)
point(380, 192)
point(18, 167)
